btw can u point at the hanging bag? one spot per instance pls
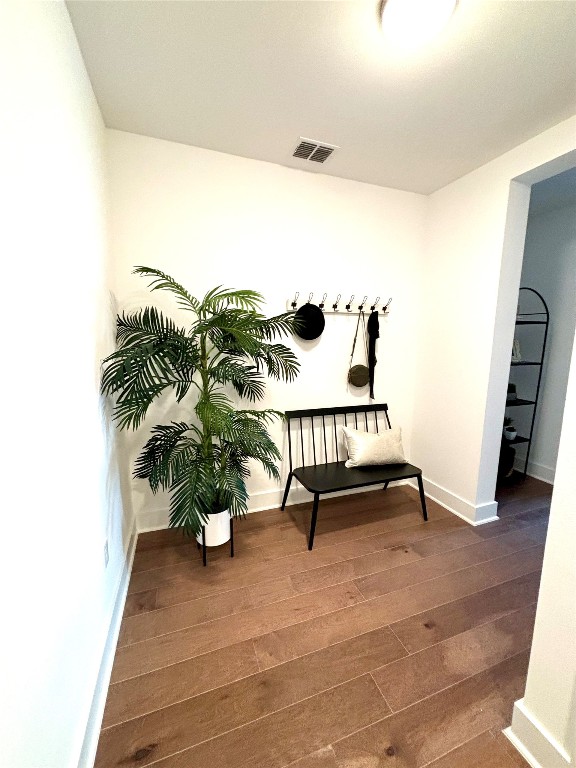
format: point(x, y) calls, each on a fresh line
point(358, 375)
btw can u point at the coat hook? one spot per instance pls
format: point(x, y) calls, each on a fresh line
point(373, 307)
point(295, 299)
point(349, 305)
point(335, 305)
point(384, 308)
point(310, 298)
point(361, 307)
point(321, 305)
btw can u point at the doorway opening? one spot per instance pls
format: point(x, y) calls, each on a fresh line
point(542, 347)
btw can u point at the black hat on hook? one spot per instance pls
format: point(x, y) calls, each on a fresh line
point(309, 321)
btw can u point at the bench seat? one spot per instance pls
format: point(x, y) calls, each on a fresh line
point(325, 478)
point(329, 476)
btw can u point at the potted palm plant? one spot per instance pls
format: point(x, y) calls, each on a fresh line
point(202, 460)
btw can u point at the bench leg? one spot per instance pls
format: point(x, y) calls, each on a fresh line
point(203, 545)
point(286, 491)
point(231, 536)
point(386, 484)
point(422, 497)
point(313, 521)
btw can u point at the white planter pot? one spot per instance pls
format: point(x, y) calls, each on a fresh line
point(510, 434)
point(217, 529)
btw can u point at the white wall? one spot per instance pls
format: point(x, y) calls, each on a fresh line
point(61, 497)
point(544, 721)
point(471, 274)
point(209, 218)
point(550, 267)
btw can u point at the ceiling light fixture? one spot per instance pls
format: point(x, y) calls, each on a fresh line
point(412, 23)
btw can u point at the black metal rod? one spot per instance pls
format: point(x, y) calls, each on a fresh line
point(546, 322)
point(313, 439)
point(336, 438)
point(422, 497)
point(286, 491)
point(313, 521)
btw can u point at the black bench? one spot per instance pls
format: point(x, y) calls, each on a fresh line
point(321, 426)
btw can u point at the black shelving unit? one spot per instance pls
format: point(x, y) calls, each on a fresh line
point(538, 320)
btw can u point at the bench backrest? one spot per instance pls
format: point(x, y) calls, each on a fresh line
point(314, 435)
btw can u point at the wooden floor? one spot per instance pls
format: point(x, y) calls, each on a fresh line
point(394, 643)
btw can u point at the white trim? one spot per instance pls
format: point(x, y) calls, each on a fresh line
point(157, 519)
point(534, 742)
point(92, 733)
point(538, 471)
point(475, 514)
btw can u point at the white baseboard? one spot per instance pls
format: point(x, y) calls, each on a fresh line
point(157, 519)
point(534, 742)
point(475, 514)
point(538, 471)
point(92, 734)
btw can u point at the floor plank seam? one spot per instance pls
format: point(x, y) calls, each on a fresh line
point(298, 759)
point(256, 657)
point(178, 701)
point(352, 582)
point(329, 613)
point(438, 642)
point(384, 549)
point(380, 689)
point(331, 645)
point(458, 746)
point(408, 653)
point(459, 682)
point(274, 712)
point(414, 704)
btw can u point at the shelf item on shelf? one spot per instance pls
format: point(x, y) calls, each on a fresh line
point(541, 318)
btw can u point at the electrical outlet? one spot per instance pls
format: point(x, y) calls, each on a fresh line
point(106, 555)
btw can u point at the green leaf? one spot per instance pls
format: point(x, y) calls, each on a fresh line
point(163, 282)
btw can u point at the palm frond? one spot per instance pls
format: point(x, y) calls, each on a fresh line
point(214, 410)
point(192, 496)
point(219, 298)
point(167, 454)
point(153, 355)
point(130, 408)
point(246, 379)
point(280, 361)
point(163, 282)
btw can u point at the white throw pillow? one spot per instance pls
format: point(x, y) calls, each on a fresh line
point(366, 448)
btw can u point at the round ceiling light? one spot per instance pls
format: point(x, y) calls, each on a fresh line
point(412, 23)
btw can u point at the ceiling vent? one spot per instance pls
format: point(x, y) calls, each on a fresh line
point(315, 151)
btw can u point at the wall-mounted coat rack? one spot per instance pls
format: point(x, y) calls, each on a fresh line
point(339, 308)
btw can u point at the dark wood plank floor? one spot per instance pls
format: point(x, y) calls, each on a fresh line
point(395, 642)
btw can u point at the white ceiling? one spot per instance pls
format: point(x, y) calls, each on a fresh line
point(250, 77)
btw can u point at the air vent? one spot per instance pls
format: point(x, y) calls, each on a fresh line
point(314, 151)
